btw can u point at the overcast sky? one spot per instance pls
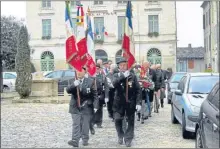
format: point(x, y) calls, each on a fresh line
point(189, 20)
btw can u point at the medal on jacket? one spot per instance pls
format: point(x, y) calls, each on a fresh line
point(130, 83)
point(88, 90)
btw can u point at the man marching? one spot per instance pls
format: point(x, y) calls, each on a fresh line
point(102, 91)
point(81, 113)
point(125, 107)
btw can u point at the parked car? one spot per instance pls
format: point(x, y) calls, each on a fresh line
point(191, 92)
point(9, 79)
point(173, 83)
point(63, 77)
point(207, 123)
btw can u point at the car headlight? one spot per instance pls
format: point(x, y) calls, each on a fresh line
point(195, 109)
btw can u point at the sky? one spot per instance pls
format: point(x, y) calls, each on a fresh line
point(189, 20)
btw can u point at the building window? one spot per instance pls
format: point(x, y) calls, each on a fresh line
point(74, 3)
point(122, 2)
point(118, 55)
point(74, 25)
point(153, 23)
point(99, 28)
point(46, 28)
point(46, 3)
point(47, 61)
point(121, 27)
point(153, 2)
point(191, 64)
point(98, 2)
point(101, 54)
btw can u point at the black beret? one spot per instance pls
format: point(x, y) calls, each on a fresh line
point(121, 60)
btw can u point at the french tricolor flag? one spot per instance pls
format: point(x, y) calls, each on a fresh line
point(127, 44)
point(72, 55)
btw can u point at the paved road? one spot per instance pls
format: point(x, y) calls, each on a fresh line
point(49, 125)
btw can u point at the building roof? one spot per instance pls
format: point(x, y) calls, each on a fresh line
point(204, 4)
point(190, 52)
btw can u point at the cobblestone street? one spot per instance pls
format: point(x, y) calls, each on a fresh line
point(49, 125)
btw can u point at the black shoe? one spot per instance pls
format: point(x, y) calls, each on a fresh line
point(142, 121)
point(120, 141)
point(162, 106)
point(73, 143)
point(138, 119)
point(149, 115)
point(85, 143)
point(128, 144)
point(146, 117)
point(92, 130)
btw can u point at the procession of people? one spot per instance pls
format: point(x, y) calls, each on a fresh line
point(124, 92)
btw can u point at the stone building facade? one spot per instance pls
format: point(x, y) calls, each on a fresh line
point(154, 27)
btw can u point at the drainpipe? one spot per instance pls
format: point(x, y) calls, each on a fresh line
point(218, 35)
point(175, 63)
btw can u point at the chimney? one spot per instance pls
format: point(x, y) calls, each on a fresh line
point(189, 45)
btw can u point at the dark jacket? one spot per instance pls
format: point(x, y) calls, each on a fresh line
point(134, 93)
point(87, 93)
point(159, 82)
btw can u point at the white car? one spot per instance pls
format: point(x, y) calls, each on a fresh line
point(9, 79)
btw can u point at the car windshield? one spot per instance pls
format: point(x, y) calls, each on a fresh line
point(202, 84)
point(177, 77)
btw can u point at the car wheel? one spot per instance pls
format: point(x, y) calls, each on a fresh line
point(198, 139)
point(185, 133)
point(173, 118)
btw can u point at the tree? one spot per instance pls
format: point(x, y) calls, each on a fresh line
point(23, 64)
point(10, 27)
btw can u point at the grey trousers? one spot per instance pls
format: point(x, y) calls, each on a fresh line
point(80, 127)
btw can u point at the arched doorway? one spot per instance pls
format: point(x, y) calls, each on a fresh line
point(154, 56)
point(101, 54)
point(47, 61)
point(118, 55)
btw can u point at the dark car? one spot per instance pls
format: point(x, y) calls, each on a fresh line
point(63, 78)
point(173, 83)
point(207, 127)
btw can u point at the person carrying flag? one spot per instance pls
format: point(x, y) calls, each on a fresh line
point(81, 114)
point(125, 107)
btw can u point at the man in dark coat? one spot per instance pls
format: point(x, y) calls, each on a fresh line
point(102, 91)
point(81, 113)
point(159, 84)
point(125, 107)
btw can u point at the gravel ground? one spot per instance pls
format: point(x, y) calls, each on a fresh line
point(49, 125)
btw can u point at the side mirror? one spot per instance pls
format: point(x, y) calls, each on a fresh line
point(193, 118)
point(178, 92)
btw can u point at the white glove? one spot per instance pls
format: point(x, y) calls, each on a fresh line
point(95, 110)
point(108, 80)
point(76, 82)
point(138, 108)
point(106, 100)
point(126, 73)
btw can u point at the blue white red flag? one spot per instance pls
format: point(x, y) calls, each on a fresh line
point(72, 56)
point(128, 44)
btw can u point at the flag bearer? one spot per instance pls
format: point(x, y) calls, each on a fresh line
point(125, 107)
point(81, 113)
